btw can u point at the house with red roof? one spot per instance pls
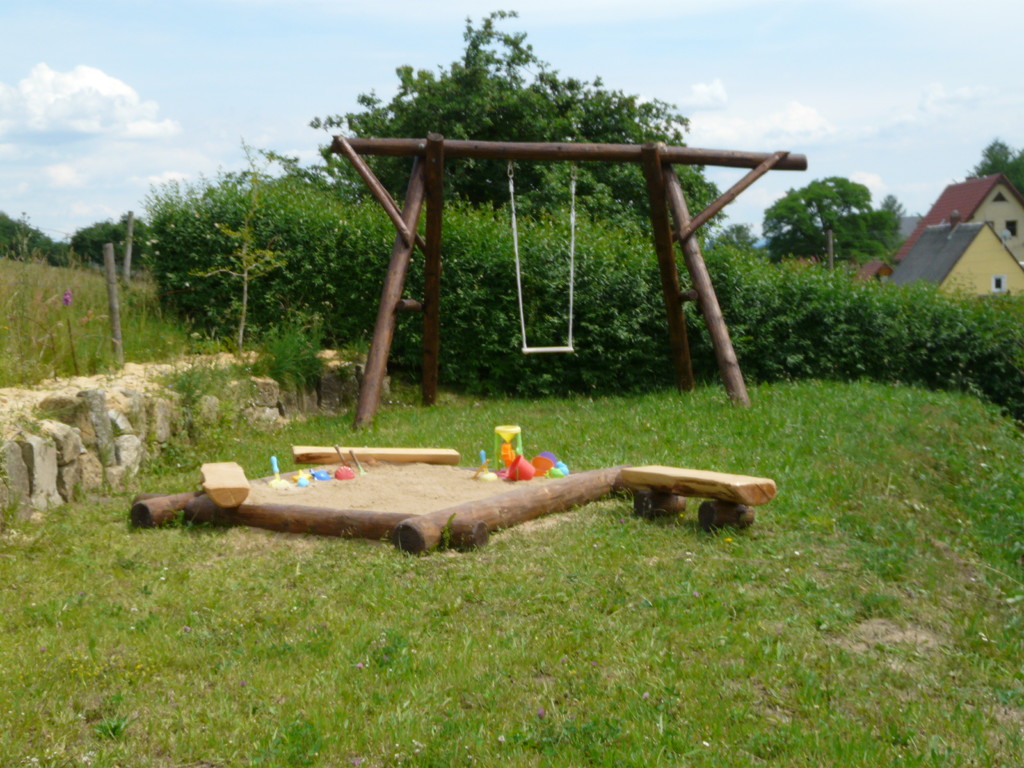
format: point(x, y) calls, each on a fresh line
point(990, 199)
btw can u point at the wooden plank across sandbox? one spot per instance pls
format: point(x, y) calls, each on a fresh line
point(309, 454)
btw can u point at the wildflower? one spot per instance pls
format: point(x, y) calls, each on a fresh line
point(541, 712)
point(66, 298)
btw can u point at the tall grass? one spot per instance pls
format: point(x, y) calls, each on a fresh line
point(43, 336)
point(872, 616)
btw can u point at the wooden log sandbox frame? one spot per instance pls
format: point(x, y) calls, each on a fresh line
point(656, 491)
point(671, 223)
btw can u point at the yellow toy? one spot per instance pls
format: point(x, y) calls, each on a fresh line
point(504, 449)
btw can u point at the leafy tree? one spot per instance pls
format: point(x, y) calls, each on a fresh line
point(797, 224)
point(890, 203)
point(738, 236)
point(1000, 157)
point(501, 91)
point(250, 258)
point(88, 242)
point(20, 240)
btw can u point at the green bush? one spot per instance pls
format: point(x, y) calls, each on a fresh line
point(799, 321)
point(787, 322)
point(332, 268)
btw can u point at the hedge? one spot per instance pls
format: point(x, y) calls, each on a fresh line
point(787, 322)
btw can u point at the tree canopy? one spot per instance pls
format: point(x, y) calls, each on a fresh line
point(88, 241)
point(1000, 157)
point(501, 91)
point(20, 240)
point(796, 225)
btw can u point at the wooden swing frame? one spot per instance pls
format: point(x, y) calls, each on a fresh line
point(668, 208)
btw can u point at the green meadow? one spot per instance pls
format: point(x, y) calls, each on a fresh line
point(871, 616)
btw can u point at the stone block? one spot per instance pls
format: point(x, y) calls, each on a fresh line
point(70, 410)
point(120, 424)
point(130, 452)
point(259, 416)
point(337, 389)
point(133, 404)
point(90, 471)
point(40, 455)
point(69, 478)
point(67, 439)
point(295, 402)
point(99, 419)
point(15, 486)
point(161, 417)
point(265, 392)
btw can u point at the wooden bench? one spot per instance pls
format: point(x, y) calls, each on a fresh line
point(660, 490)
point(225, 483)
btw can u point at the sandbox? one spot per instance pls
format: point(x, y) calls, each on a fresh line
point(419, 505)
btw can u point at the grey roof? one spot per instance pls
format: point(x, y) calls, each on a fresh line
point(936, 252)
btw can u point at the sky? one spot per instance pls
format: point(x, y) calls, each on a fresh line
point(101, 102)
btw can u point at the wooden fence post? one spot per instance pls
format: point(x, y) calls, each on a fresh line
point(115, 309)
point(127, 268)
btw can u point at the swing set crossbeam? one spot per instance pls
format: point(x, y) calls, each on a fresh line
point(564, 151)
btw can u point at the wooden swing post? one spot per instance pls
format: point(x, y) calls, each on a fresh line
point(678, 341)
point(728, 365)
point(394, 283)
point(432, 267)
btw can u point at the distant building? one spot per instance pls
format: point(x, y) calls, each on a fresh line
point(990, 199)
point(961, 257)
point(907, 226)
point(876, 269)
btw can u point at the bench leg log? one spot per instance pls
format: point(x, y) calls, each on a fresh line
point(652, 504)
point(714, 514)
point(150, 510)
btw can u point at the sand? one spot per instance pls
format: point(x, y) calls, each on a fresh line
point(415, 489)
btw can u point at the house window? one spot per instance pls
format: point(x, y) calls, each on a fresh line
point(998, 283)
point(1011, 227)
point(999, 198)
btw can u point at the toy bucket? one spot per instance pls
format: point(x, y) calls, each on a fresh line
point(542, 464)
point(520, 469)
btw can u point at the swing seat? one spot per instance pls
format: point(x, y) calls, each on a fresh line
point(546, 350)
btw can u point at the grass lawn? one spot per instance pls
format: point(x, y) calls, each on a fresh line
point(872, 616)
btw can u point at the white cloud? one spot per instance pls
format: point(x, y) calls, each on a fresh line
point(64, 175)
point(795, 127)
point(706, 96)
point(873, 181)
point(85, 101)
point(937, 99)
point(93, 211)
point(163, 178)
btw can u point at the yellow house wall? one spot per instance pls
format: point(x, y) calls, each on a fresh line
point(984, 258)
point(998, 213)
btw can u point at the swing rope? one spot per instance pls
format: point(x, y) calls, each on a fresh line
point(527, 349)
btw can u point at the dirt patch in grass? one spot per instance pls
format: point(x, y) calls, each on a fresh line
point(882, 633)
